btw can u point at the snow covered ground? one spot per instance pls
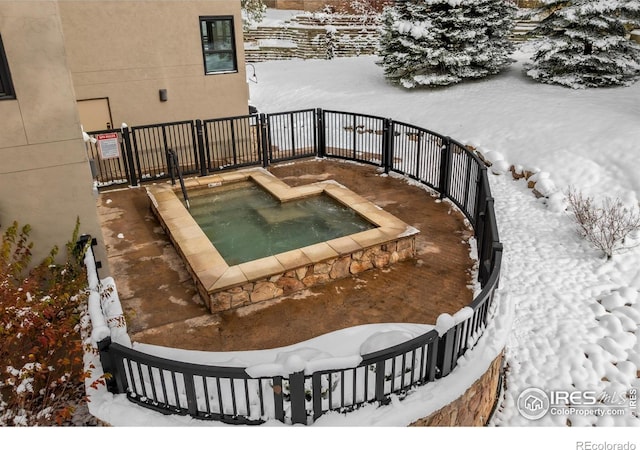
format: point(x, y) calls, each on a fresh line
point(576, 315)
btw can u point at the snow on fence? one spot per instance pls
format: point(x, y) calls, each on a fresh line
point(303, 391)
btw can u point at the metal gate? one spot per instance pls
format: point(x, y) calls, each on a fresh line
point(204, 146)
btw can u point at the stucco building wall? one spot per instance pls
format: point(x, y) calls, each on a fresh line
point(45, 179)
point(63, 51)
point(127, 51)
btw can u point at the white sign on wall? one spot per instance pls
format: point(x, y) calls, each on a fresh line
point(108, 145)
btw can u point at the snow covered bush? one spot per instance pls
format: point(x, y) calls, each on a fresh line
point(253, 11)
point(442, 42)
point(607, 226)
point(585, 43)
point(41, 369)
point(330, 41)
point(367, 8)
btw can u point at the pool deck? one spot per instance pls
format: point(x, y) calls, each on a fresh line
point(162, 305)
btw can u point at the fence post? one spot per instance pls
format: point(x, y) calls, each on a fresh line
point(126, 137)
point(485, 255)
point(380, 375)
point(170, 166)
point(445, 167)
point(263, 139)
point(467, 183)
point(322, 146)
point(297, 398)
point(496, 247)
point(480, 219)
point(432, 360)
point(201, 154)
point(278, 398)
point(481, 205)
point(190, 391)
point(387, 145)
point(445, 352)
point(292, 127)
point(81, 245)
point(107, 366)
point(317, 395)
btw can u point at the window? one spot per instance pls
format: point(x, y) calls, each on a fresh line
point(218, 44)
point(6, 87)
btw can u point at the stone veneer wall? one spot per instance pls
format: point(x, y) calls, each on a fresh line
point(306, 5)
point(312, 37)
point(474, 407)
point(378, 256)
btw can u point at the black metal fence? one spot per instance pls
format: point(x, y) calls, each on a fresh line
point(230, 394)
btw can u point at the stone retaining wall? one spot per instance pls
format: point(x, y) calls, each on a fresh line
point(306, 5)
point(311, 37)
point(474, 407)
point(304, 277)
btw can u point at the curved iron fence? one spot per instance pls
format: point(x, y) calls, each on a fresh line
point(230, 394)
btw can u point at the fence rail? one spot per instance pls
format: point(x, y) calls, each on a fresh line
point(230, 394)
point(232, 142)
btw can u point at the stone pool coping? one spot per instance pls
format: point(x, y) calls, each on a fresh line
point(209, 269)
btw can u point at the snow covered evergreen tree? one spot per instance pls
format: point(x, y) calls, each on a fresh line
point(585, 43)
point(441, 42)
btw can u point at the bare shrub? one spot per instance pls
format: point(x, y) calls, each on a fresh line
point(606, 226)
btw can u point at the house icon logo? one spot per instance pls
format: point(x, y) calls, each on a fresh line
point(533, 403)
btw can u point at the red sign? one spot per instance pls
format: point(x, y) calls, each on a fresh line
point(108, 145)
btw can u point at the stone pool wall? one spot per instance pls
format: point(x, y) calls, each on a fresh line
point(291, 281)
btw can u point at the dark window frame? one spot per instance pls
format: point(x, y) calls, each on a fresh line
point(205, 51)
point(7, 92)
